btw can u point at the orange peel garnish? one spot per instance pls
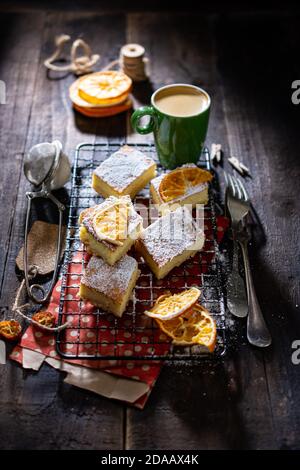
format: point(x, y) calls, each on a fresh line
point(10, 330)
point(177, 183)
point(111, 223)
point(87, 106)
point(44, 318)
point(101, 112)
point(195, 326)
point(100, 87)
point(169, 306)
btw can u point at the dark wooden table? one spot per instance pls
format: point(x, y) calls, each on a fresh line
point(247, 63)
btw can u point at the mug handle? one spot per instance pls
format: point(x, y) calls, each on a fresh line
point(138, 114)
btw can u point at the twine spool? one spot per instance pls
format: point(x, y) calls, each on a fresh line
point(132, 62)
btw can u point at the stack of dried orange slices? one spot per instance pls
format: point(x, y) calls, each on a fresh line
point(181, 318)
point(101, 94)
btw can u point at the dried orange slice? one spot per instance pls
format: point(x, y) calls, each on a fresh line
point(167, 307)
point(10, 330)
point(78, 101)
point(44, 318)
point(195, 326)
point(178, 182)
point(111, 223)
point(104, 112)
point(102, 86)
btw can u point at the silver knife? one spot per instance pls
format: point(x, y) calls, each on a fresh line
point(236, 292)
point(257, 331)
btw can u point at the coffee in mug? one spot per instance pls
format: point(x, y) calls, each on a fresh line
point(181, 102)
point(178, 119)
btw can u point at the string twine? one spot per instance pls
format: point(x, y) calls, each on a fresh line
point(131, 60)
point(17, 309)
point(79, 64)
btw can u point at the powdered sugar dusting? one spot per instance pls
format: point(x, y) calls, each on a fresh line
point(134, 219)
point(171, 235)
point(189, 192)
point(112, 281)
point(123, 167)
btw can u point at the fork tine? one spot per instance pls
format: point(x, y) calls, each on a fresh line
point(226, 177)
point(237, 187)
point(243, 189)
point(238, 194)
point(231, 185)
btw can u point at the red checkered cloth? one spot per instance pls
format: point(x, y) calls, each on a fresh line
point(147, 372)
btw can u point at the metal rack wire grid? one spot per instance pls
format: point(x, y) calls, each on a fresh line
point(94, 334)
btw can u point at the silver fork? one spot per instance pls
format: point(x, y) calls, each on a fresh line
point(236, 291)
point(257, 330)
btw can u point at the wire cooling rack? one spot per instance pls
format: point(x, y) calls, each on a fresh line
point(94, 334)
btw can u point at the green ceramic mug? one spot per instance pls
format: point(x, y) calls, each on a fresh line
point(179, 115)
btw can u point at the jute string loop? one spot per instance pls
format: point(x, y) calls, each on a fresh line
point(131, 61)
point(78, 65)
point(16, 308)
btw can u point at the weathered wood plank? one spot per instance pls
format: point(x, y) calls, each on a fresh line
point(203, 414)
point(262, 123)
point(18, 69)
point(90, 421)
point(105, 34)
point(39, 411)
point(52, 116)
point(247, 65)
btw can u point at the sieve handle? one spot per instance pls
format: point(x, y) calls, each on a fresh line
point(44, 193)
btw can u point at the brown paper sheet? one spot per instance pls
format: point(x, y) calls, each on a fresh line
point(42, 240)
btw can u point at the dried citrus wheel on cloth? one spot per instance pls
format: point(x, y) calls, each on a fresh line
point(178, 182)
point(10, 329)
point(110, 224)
point(195, 326)
point(44, 319)
point(78, 101)
point(167, 307)
point(99, 87)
